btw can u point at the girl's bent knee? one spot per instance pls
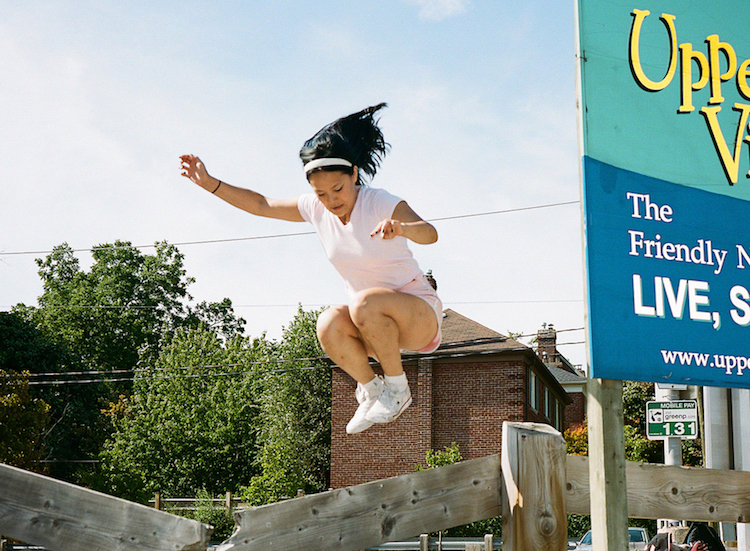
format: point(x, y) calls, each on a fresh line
point(332, 323)
point(363, 306)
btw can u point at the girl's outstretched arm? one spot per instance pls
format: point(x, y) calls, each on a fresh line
point(408, 223)
point(250, 201)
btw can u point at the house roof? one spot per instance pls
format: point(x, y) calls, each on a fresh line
point(565, 376)
point(461, 334)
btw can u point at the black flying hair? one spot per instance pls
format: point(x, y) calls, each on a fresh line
point(356, 138)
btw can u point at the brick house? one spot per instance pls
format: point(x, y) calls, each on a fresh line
point(570, 378)
point(461, 393)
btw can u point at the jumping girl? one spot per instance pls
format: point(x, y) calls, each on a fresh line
point(364, 232)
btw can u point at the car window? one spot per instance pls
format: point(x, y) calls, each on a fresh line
point(586, 538)
point(636, 536)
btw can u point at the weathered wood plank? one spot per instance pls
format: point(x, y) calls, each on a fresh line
point(669, 491)
point(43, 511)
point(578, 498)
point(533, 466)
point(369, 514)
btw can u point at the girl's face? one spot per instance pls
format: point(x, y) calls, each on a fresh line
point(336, 190)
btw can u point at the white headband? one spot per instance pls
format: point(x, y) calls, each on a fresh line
point(325, 161)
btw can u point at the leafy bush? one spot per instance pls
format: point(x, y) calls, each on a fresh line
point(208, 513)
point(448, 456)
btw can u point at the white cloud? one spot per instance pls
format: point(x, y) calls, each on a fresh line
point(438, 10)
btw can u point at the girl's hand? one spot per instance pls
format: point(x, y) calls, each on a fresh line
point(194, 169)
point(388, 229)
point(407, 223)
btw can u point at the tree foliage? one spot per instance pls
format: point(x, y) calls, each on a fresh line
point(191, 422)
point(105, 319)
point(210, 414)
point(448, 456)
point(24, 415)
point(439, 458)
point(126, 300)
point(22, 422)
point(207, 512)
point(295, 435)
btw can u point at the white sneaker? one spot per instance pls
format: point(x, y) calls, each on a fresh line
point(359, 422)
point(390, 405)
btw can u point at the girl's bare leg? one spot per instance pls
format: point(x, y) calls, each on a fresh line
point(378, 323)
point(341, 340)
point(389, 321)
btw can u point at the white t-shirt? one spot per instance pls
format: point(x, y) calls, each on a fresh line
point(363, 261)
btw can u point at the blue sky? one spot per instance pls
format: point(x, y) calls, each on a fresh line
point(98, 99)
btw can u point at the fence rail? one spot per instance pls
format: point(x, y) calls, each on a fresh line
point(533, 483)
point(43, 511)
point(228, 502)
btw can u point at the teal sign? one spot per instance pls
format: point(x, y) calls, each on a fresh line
point(664, 106)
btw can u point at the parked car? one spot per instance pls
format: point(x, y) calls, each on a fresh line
point(638, 538)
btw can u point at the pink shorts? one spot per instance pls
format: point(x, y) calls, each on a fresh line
point(420, 287)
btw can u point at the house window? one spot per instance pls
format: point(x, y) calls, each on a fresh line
point(547, 402)
point(533, 390)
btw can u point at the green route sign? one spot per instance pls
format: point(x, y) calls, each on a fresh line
point(674, 419)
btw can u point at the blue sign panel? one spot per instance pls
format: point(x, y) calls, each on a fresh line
point(664, 111)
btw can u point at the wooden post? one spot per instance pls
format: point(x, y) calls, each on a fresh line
point(533, 465)
point(61, 516)
point(157, 501)
point(609, 504)
point(424, 542)
point(228, 503)
point(488, 542)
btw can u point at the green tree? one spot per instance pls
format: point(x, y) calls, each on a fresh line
point(107, 319)
point(439, 458)
point(637, 446)
point(22, 422)
point(191, 422)
point(207, 512)
point(448, 456)
point(295, 436)
point(218, 316)
point(25, 418)
point(126, 300)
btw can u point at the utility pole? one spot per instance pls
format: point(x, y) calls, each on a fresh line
point(672, 444)
point(718, 446)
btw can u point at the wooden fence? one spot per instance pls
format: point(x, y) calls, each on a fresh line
point(533, 484)
point(228, 502)
point(64, 517)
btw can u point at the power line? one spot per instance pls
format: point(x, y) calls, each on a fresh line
point(295, 234)
point(519, 209)
point(180, 368)
point(54, 379)
point(74, 377)
point(556, 331)
point(183, 243)
point(304, 305)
